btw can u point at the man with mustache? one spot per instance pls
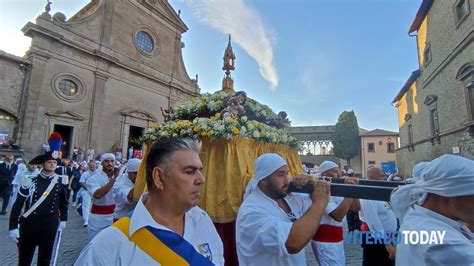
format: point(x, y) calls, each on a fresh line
point(100, 187)
point(274, 226)
point(167, 227)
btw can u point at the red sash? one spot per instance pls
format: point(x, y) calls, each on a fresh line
point(106, 209)
point(364, 227)
point(329, 233)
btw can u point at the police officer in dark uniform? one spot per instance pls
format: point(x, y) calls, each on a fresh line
point(45, 206)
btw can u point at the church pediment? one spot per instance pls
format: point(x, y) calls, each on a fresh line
point(139, 114)
point(163, 9)
point(66, 115)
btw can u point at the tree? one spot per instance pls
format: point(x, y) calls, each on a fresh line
point(346, 140)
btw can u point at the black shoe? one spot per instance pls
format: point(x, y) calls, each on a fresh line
point(3, 213)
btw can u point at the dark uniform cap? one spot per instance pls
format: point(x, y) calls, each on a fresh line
point(40, 159)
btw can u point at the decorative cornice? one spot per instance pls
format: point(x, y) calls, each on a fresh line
point(430, 99)
point(140, 114)
point(66, 115)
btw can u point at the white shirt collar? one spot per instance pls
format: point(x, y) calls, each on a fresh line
point(141, 217)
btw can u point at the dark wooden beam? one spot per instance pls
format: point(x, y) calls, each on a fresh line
point(381, 193)
point(368, 182)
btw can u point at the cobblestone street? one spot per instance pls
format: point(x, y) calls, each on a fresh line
point(75, 237)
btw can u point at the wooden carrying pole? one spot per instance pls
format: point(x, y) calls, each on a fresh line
point(378, 190)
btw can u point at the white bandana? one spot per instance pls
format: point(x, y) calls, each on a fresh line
point(448, 176)
point(327, 165)
point(265, 165)
point(106, 156)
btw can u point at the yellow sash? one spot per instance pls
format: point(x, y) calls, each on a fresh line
point(151, 245)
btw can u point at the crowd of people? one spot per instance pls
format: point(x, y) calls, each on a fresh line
point(40, 191)
point(165, 225)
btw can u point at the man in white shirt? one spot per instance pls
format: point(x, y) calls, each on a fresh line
point(273, 226)
point(328, 242)
point(100, 187)
point(86, 197)
point(123, 189)
point(168, 211)
point(441, 201)
point(377, 217)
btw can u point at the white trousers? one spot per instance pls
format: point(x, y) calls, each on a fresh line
point(329, 254)
point(86, 205)
point(97, 222)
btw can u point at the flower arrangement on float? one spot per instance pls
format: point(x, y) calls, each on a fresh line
point(211, 116)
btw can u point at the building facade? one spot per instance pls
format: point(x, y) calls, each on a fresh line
point(316, 147)
point(378, 150)
point(100, 78)
point(436, 104)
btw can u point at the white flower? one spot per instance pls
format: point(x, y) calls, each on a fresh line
point(256, 134)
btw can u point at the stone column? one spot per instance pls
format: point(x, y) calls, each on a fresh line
point(97, 105)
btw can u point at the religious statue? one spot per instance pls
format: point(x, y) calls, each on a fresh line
point(284, 119)
point(166, 113)
point(234, 105)
point(47, 8)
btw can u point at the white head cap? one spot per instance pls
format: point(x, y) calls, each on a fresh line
point(133, 164)
point(448, 176)
point(265, 165)
point(106, 156)
point(327, 165)
point(418, 170)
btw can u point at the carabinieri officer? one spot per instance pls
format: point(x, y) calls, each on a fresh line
point(45, 206)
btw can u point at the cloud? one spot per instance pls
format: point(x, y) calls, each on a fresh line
point(246, 27)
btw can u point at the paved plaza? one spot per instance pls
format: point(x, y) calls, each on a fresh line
point(75, 237)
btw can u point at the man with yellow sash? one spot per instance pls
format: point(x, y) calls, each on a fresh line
point(167, 227)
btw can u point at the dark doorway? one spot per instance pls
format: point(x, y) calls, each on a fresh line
point(133, 136)
point(66, 135)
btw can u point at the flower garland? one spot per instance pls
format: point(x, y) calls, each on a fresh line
point(217, 128)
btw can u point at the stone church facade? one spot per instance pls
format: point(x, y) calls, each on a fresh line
point(98, 78)
point(436, 104)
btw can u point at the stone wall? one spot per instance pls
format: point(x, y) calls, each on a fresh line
point(12, 75)
point(451, 47)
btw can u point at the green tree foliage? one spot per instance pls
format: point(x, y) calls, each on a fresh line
point(346, 140)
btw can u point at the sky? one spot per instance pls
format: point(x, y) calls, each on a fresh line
point(311, 58)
